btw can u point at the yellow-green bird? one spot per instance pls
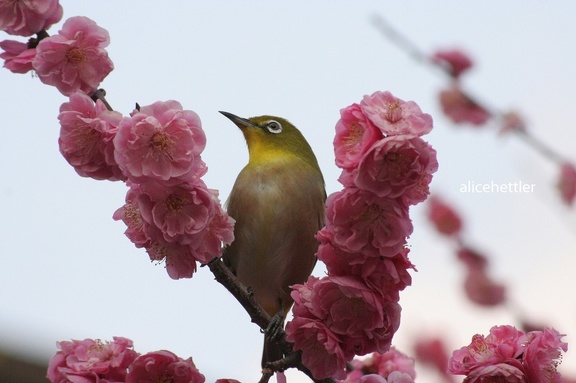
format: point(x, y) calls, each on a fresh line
point(278, 204)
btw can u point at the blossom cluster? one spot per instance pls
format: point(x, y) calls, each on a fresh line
point(389, 367)
point(156, 149)
point(73, 59)
point(169, 210)
point(510, 355)
point(94, 361)
point(479, 286)
point(386, 168)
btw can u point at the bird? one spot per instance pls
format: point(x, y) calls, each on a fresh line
point(278, 203)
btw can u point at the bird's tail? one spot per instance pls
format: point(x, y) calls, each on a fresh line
point(272, 351)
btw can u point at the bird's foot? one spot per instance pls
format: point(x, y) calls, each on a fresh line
point(275, 327)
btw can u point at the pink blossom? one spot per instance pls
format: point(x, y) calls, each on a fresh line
point(391, 366)
point(512, 122)
point(482, 290)
point(75, 58)
point(567, 183)
point(91, 361)
point(17, 56)
point(131, 216)
point(219, 232)
point(362, 222)
point(321, 351)
point(472, 259)
point(543, 354)
point(163, 366)
point(444, 218)
point(161, 141)
point(179, 259)
point(391, 361)
point(454, 60)
point(388, 275)
point(354, 136)
point(349, 308)
point(461, 109)
point(504, 344)
point(178, 213)
point(432, 351)
point(27, 17)
point(394, 116)
point(397, 166)
point(227, 380)
point(502, 372)
point(86, 134)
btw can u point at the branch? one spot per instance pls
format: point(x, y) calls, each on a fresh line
point(243, 294)
point(245, 297)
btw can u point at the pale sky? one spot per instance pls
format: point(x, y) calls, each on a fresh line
point(67, 270)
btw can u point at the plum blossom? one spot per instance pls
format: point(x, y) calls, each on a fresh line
point(132, 218)
point(17, 56)
point(91, 361)
point(454, 60)
point(461, 109)
point(357, 314)
point(161, 142)
point(543, 355)
point(432, 351)
point(391, 366)
point(86, 134)
point(163, 366)
point(444, 218)
point(177, 224)
point(567, 183)
point(355, 134)
point(75, 58)
point(362, 222)
point(397, 167)
point(321, 348)
point(510, 355)
point(394, 116)
point(28, 17)
point(388, 275)
point(482, 290)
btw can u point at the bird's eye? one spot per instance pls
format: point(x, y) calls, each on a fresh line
point(274, 127)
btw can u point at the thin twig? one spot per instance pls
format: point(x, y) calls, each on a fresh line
point(100, 94)
point(418, 55)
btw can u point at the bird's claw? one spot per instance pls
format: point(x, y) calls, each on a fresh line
point(275, 327)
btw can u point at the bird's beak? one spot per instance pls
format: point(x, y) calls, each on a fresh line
point(239, 121)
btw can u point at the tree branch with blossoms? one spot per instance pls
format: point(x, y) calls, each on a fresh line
point(171, 213)
point(462, 107)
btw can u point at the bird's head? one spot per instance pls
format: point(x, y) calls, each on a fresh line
point(270, 137)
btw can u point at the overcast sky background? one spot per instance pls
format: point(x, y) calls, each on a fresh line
point(67, 271)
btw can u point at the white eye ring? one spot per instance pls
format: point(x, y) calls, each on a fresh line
point(274, 127)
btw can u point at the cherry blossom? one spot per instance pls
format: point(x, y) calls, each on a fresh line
point(394, 116)
point(28, 17)
point(75, 58)
point(86, 133)
point(161, 142)
point(482, 290)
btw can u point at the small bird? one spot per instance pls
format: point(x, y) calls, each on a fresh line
point(278, 204)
